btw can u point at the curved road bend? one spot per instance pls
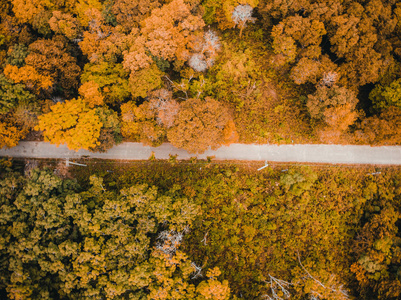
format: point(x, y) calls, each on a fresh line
point(333, 154)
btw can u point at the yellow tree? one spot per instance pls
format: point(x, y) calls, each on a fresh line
point(213, 289)
point(169, 273)
point(73, 123)
point(111, 80)
point(86, 9)
point(129, 124)
point(99, 243)
point(12, 95)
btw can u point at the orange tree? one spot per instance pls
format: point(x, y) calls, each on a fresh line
point(381, 130)
point(10, 134)
point(199, 125)
point(50, 58)
point(139, 124)
point(167, 35)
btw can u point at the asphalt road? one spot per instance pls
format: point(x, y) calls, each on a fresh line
point(335, 154)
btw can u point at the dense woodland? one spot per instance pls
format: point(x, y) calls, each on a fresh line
point(200, 73)
point(200, 230)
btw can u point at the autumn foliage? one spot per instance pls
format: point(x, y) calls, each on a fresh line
point(199, 125)
point(104, 257)
point(10, 135)
point(72, 123)
point(286, 71)
point(29, 76)
point(196, 231)
point(199, 75)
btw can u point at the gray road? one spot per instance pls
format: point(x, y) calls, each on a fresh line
point(335, 154)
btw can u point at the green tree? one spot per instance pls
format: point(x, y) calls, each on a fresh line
point(298, 181)
point(12, 94)
point(144, 81)
point(16, 55)
point(111, 79)
point(61, 243)
point(383, 97)
point(377, 247)
point(110, 133)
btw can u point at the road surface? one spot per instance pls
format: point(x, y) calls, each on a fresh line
point(333, 154)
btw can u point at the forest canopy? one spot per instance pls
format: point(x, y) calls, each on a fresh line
point(199, 230)
point(303, 71)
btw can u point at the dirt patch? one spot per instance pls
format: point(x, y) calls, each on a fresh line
point(33, 136)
